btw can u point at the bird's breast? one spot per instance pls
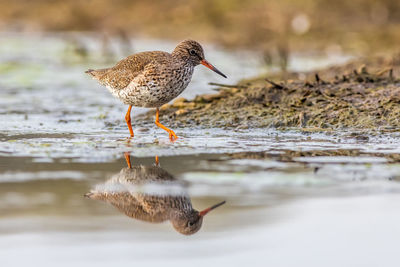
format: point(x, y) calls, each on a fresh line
point(154, 89)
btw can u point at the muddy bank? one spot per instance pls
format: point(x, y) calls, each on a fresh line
point(361, 95)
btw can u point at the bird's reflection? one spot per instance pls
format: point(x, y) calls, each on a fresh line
point(151, 194)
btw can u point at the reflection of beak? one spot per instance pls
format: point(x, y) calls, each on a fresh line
point(204, 212)
point(211, 67)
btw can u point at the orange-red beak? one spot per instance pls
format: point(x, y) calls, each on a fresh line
point(204, 212)
point(211, 67)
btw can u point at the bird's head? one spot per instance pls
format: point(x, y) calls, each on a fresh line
point(192, 52)
point(190, 222)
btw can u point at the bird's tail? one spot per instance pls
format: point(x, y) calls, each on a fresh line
point(95, 195)
point(96, 73)
point(89, 71)
point(88, 195)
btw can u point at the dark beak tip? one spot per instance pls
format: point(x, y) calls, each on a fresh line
point(220, 73)
point(204, 212)
point(211, 67)
point(223, 75)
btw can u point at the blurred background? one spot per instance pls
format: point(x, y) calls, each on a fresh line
point(61, 134)
point(361, 26)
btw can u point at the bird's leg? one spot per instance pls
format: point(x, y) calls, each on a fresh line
point(128, 120)
point(157, 161)
point(128, 159)
point(172, 135)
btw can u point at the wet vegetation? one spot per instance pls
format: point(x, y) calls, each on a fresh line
point(363, 95)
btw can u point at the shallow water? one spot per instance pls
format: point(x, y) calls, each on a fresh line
point(62, 135)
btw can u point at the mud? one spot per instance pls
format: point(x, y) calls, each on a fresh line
point(361, 95)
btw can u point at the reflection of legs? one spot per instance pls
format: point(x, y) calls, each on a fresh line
point(128, 159)
point(172, 135)
point(128, 120)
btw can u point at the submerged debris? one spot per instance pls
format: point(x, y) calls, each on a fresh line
point(293, 155)
point(359, 95)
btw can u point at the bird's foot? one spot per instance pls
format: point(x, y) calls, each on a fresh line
point(129, 139)
point(172, 136)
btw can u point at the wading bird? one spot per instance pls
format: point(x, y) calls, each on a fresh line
point(152, 79)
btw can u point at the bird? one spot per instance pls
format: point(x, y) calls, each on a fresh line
point(153, 78)
point(151, 194)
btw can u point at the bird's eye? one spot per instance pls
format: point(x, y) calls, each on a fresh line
point(190, 224)
point(192, 52)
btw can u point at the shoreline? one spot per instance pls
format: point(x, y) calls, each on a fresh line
point(360, 95)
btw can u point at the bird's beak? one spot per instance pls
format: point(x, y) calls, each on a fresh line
point(211, 67)
point(207, 210)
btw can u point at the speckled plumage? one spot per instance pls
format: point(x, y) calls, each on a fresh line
point(152, 79)
point(144, 193)
point(125, 191)
point(149, 79)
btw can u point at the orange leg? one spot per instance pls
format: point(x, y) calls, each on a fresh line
point(172, 135)
point(128, 159)
point(128, 120)
point(157, 161)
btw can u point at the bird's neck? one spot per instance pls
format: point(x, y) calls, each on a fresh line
point(180, 54)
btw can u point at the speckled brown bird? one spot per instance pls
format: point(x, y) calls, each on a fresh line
point(151, 194)
point(152, 79)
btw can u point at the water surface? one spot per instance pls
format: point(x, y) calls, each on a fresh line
point(61, 135)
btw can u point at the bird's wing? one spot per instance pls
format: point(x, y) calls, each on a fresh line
point(163, 204)
point(119, 76)
point(152, 204)
point(128, 204)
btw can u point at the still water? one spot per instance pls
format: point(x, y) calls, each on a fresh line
point(68, 198)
